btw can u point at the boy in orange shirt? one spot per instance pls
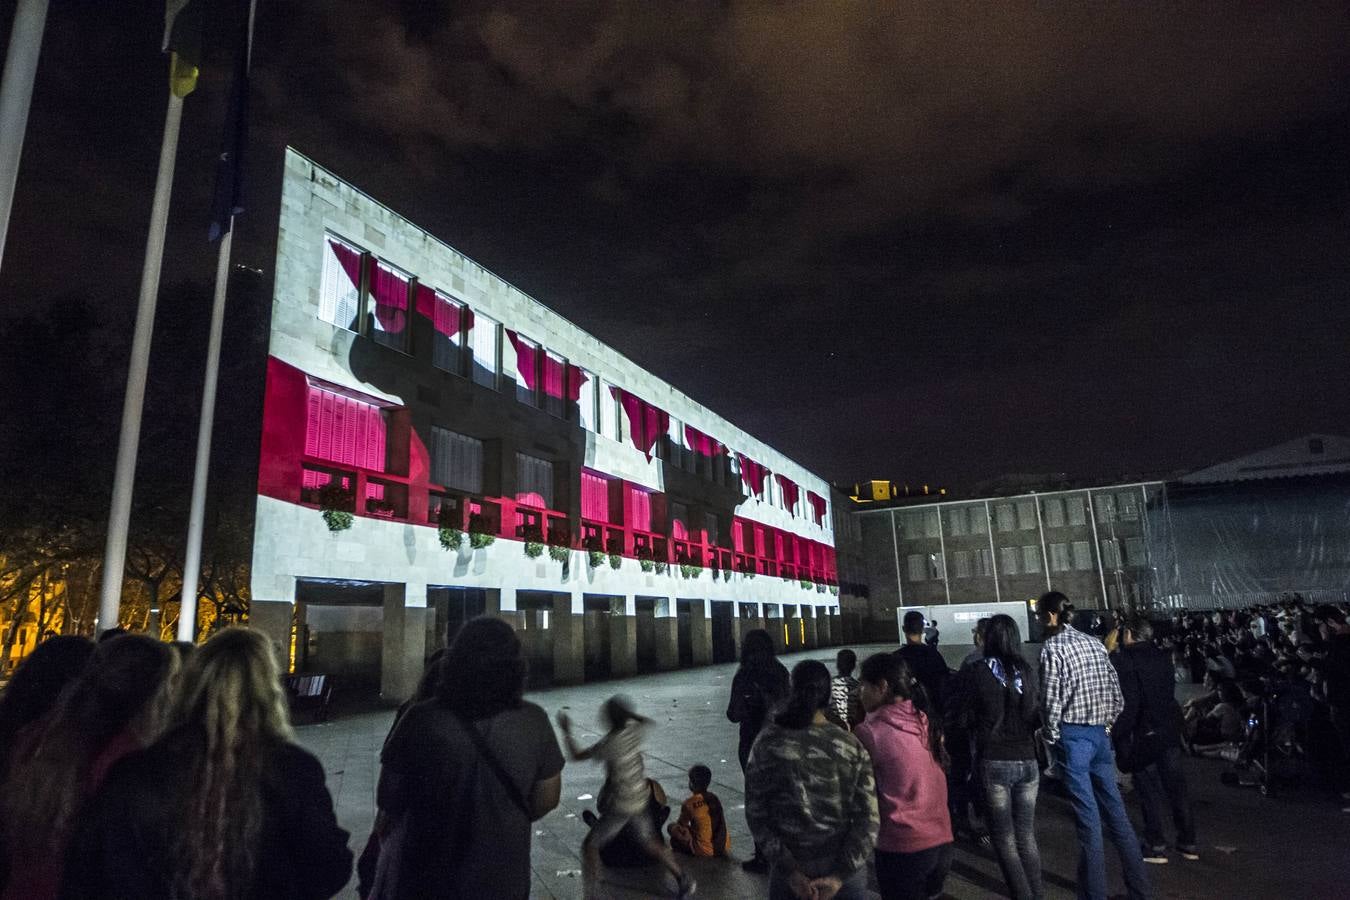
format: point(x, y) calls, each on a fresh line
point(701, 829)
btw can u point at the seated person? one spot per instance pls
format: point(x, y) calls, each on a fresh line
point(1223, 724)
point(701, 829)
point(624, 852)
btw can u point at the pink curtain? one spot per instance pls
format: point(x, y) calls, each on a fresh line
point(390, 290)
point(576, 378)
point(789, 489)
point(554, 375)
point(639, 516)
point(701, 443)
point(646, 423)
point(594, 497)
point(817, 506)
point(753, 474)
point(443, 312)
point(349, 259)
point(343, 430)
point(525, 359)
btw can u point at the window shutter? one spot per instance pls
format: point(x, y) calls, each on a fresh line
point(313, 418)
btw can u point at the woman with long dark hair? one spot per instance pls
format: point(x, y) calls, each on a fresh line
point(1003, 711)
point(904, 738)
point(37, 682)
point(809, 796)
point(761, 683)
point(224, 807)
point(117, 706)
point(464, 775)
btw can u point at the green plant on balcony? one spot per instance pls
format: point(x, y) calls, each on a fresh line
point(614, 547)
point(447, 528)
point(834, 589)
point(644, 558)
point(595, 551)
point(805, 583)
point(820, 588)
point(690, 570)
point(336, 505)
point(726, 574)
point(661, 566)
point(559, 543)
point(534, 541)
point(480, 532)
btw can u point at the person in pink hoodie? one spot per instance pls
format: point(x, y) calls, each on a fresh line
point(914, 848)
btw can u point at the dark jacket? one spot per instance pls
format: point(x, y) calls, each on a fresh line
point(928, 666)
point(1001, 719)
point(754, 693)
point(124, 844)
point(1150, 723)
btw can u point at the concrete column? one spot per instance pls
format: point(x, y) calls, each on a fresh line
point(501, 602)
point(824, 629)
point(273, 618)
point(700, 631)
point(569, 638)
point(773, 623)
point(667, 635)
point(809, 619)
point(623, 637)
point(404, 651)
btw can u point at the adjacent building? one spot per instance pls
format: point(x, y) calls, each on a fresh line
point(437, 445)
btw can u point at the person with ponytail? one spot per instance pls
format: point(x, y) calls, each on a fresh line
point(761, 683)
point(810, 800)
point(1003, 710)
point(224, 807)
point(903, 735)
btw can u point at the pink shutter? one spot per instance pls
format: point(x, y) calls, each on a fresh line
point(375, 436)
point(313, 405)
point(594, 497)
point(640, 510)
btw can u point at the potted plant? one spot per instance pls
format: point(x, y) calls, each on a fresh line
point(805, 583)
point(534, 541)
point(614, 546)
point(559, 544)
point(595, 552)
point(480, 532)
point(447, 527)
point(336, 505)
point(661, 566)
point(726, 574)
point(834, 589)
point(690, 570)
point(644, 558)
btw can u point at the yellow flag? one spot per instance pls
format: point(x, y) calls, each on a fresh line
point(182, 76)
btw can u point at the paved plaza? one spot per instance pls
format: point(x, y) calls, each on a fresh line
point(1288, 846)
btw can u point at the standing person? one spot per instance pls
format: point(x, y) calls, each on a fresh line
point(36, 684)
point(117, 706)
point(1336, 632)
point(845, 699)
point(224, 806)
point(1147, 739)
point(626, 791)
point(810, 797)
point(924, 660)
point(464, 774)
point(1003, 711)
point(963, 784)
point(1081, 699)
point(904, 739)
point(761, 683)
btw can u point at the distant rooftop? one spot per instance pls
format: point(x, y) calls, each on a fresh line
point(1311, 455)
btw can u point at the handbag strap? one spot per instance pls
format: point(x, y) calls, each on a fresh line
point(497, 769)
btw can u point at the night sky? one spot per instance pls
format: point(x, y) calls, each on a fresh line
point(954, 242)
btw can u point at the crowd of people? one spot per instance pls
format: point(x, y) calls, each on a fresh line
point(135, 768)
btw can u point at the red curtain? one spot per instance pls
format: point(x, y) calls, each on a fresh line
point(646, 423)
point(789, 489)
point(576, 378)
point(594, 497)
point(817, 506)
point(553, 376)
point(701, 443)
point(753, 474)
point(639, 516)
point(443, 312)
point(349, 259)
point(390, 290)
point(525, 359)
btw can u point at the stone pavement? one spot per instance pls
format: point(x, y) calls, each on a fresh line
point(1287, 846)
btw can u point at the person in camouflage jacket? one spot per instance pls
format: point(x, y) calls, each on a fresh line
point(810, 796)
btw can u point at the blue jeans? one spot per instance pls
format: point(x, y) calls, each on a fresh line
point(1010, 787)
point(1089, 771)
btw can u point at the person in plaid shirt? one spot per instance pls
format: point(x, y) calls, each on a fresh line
point(1081, 698)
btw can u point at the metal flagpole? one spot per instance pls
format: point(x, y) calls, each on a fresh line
point(115, 551)
point(16, 93)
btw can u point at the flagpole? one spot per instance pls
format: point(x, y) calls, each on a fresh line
point(16, 93)
point(115, 551)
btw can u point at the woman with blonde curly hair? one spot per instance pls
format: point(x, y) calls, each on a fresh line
point(226, 806)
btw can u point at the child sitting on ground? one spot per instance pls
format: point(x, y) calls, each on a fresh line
point(626, 792)
point(701, 829)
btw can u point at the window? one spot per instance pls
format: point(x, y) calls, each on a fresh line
point(594, 497)
point(1006, 516)
point(961, 563)
point(918, 567)
point(609, 413)
point(589, 413)
point(344, 430)
point(447, 319)
point(340, 289)
point(1111, 553)
point(679, 523)
point(639, 509)
point(486, 341)
point(456, 460)
point(1026, 515)
point(534, 481)
point(1077, 515)
point(526, 369)
point(930, 523)
point(1135, 552)
point(555, 372)
point(956, 522)
point(387, 307)
point(1128, 504)
point(936, 570)
point(1031, 559)
point(1054, 512)
point(984, 561)
point(1106, 507)
point(1060, 561)
point(979, 520)
point(1082, 555)
point(710, 530)
point(1007, 560)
